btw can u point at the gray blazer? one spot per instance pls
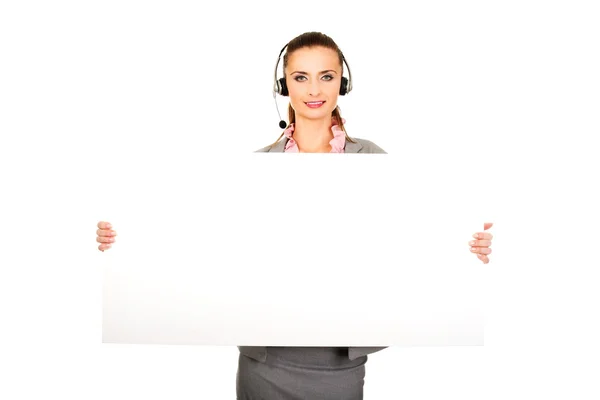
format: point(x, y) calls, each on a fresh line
point(361, 146)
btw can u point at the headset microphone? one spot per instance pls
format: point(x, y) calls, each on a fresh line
point(282, 123)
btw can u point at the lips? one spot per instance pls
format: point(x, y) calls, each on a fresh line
point(314, 104)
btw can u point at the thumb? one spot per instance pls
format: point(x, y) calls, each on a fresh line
point(487, 225)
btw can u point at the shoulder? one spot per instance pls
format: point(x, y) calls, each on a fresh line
point(265, 149)
point(277, 147)
point(366, 146)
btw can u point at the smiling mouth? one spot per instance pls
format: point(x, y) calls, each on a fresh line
point(314, 104)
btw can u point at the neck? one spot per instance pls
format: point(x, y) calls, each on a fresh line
point(313, 136)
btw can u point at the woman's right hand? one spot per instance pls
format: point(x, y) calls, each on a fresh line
point(106, 235)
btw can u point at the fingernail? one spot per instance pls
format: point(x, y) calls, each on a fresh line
point(473, 249)
point(476, 235)
point(472, 242)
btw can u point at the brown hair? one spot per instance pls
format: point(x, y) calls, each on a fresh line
point(313, 39)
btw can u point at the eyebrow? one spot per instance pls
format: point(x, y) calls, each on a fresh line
point(306, 73)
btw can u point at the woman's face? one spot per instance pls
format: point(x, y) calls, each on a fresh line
point(313, 77)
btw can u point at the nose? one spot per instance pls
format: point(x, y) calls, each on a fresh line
point(314, 88)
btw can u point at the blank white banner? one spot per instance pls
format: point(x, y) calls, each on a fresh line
point(278, 249)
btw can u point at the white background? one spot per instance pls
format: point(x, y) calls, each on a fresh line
point(513, 84)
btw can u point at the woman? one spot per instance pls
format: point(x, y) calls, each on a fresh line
point(313, 66)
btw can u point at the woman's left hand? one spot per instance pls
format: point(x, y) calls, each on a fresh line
point(481, 245)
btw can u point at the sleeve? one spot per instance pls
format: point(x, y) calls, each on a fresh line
point(356, 352)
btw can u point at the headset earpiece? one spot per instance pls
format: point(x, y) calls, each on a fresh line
point(344, 86)
point(282, 87)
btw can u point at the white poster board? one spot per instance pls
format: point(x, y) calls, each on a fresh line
point(277, 249)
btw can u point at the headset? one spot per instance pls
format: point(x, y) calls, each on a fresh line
point(280, 87)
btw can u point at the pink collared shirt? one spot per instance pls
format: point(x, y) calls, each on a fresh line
point(337, 143)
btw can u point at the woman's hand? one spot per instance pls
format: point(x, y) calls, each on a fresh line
point(481, 245)
point(106, 235)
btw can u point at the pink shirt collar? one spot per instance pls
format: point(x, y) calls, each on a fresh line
point(337, 143)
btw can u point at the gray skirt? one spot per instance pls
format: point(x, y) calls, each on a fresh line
point(301, 373)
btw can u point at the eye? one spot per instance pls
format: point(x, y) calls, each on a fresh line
point(299, 78)
point(327, 77)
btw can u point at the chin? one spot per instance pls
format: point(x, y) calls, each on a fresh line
point(317, 114)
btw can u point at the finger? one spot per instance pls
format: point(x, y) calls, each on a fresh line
point(483, 258)
point(480, 243)
point(483, 235)
point(104, 225)
point(106, 232)
point(104, 239)
point(103, 247)
point(487, 225)
point(481, 250)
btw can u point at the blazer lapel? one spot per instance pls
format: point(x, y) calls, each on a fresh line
point(279, 147)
